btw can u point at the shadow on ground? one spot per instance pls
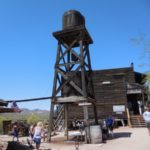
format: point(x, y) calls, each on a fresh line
point(78, 138)
point(122, 135)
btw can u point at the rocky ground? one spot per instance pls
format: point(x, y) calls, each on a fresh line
point(124, 139)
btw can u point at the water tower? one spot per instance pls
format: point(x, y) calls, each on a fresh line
point(73, 58)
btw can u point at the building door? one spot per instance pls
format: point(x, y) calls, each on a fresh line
point(133, 104)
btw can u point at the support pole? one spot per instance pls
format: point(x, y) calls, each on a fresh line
point(53, 94)
point(128, 116)
point(91, 84)
point(86, 122)
point(143, 98)
point(85, 108)
point(66, 121)
point(50, 122)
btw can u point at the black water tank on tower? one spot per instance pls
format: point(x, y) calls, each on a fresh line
point(72, 18)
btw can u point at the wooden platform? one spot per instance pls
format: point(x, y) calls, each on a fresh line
point(72, 99)
point(69, 35)
point(9, 110)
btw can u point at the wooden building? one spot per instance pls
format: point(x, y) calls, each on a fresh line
point(118, 92)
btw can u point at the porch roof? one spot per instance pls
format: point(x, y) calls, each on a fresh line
point(134, 88)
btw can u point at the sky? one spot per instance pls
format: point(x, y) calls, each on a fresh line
point(28, 49)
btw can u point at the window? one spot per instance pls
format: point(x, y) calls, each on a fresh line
point(106, 82)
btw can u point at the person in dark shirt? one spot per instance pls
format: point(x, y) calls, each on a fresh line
point(15, 132)
point(110, 125)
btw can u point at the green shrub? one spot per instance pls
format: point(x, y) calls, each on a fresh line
point(1, 124)
point(32, 119)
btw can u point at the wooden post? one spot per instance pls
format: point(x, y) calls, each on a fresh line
point(143, 98)
point(50, 128)
point(87, 129)
point(50, 122)
point(85, 108)
point(128, 116)
point(66, 121)
point(91, 83)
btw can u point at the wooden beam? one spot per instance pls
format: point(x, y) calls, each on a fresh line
point(85, 108)
point(71, 63)
point(70, 82)
point(66, 121)
point(28, 100)
point(70, 99)
point(67, 80)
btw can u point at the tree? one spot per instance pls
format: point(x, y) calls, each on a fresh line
point(147, 83)
point(144, 44)
point(32, 119)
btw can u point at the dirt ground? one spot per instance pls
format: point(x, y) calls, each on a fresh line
point(125, 138)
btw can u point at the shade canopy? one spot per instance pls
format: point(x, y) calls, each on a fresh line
point(3, 103)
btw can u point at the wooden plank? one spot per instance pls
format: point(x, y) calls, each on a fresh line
point(66, 121)
point(67, 36)
point(70, 99)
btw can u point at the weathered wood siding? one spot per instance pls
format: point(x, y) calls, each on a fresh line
point(109, 89)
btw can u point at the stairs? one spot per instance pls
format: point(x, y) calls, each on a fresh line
point(137, 121)
point(58, 123)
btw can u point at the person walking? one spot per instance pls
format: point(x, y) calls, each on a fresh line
point(15, 132)
point(146, 116)
point(38, 134)
point(31, 130)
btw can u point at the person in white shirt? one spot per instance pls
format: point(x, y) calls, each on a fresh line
point(38, 134)
point(146, 116)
